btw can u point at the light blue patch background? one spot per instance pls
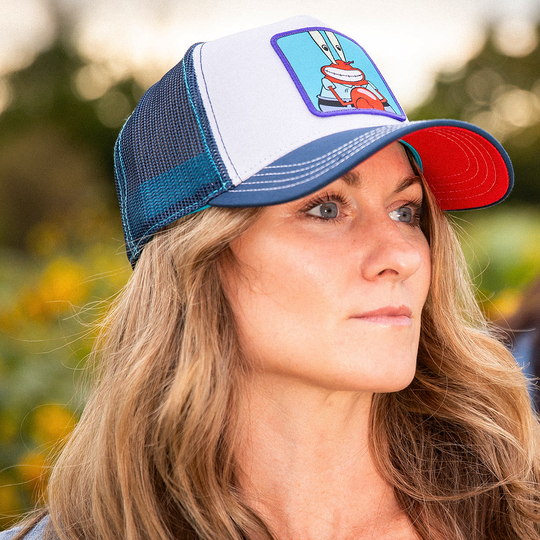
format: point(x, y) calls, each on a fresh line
point(306, 59)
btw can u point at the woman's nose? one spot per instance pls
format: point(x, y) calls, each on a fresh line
point(391, 252)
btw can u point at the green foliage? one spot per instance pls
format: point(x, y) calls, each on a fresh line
point(502, 248)
point(61, 256)
point(56, 153)
point(502, 95)
point(50, 298)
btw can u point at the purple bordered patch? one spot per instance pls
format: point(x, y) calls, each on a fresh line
point(334, 75)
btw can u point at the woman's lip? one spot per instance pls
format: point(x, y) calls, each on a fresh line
point(388, 311)
point(388, 315)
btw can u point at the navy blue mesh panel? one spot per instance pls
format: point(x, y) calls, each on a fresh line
point(167, 164)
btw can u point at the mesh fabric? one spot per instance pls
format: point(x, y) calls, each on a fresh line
point(166, 161)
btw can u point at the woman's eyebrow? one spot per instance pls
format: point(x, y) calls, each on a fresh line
point(409, 181)
point(354, 179)
point(351, 178)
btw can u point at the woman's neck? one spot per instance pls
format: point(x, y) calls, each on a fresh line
point(305, 465)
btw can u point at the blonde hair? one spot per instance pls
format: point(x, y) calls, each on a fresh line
point(152, 457)
point(460, 445)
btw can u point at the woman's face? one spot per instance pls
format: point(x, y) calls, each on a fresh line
point(329, 289)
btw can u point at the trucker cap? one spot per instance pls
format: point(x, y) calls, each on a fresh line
point(272, 114)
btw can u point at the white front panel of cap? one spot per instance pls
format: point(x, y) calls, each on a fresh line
point(266, 92)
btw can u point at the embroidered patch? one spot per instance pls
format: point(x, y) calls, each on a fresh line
point(334, 75)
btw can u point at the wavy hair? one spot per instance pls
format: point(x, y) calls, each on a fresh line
point(460, 444)
point(152, 457)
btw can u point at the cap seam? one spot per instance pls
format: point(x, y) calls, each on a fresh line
point(213, 113)
point(201, 130)
point(123, 186)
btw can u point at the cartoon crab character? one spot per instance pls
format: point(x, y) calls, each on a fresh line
point(343, 85)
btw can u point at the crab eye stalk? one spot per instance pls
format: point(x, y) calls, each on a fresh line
point(318, 38)
point(336, 44)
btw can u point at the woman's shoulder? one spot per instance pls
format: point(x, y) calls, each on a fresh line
point(36, 533)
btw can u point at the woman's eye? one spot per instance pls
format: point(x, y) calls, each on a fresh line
point(404, 214)
point(325, 210)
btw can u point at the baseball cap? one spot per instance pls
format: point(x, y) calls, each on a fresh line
point(272, 114)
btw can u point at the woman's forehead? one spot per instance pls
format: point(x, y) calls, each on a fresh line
point(392, 162)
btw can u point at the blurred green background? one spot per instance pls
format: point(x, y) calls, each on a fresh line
point(61, 244)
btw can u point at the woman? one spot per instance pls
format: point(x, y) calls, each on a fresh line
point(298, 353)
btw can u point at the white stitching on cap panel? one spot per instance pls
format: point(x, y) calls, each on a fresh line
point(383, 130)
point(353, 146)
point(331, 163)
point(458, 137)
point(310, 171)
point(214, 125)
point(283, 150)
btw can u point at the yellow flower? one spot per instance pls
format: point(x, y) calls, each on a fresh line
point(63, 280)
point(61, 286)
point(9, 499)
point(51, 423)
point(33, 472)
point(505, 303)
